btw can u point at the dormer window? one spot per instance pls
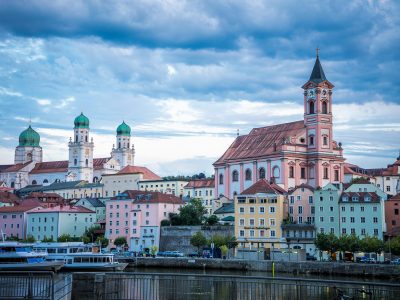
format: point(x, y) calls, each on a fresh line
point(345, 199)
point(367, 198)
point(354, 198)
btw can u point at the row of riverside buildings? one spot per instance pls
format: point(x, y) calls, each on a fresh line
point(278, 186)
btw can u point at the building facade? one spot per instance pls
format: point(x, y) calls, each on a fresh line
point(259, 213)
point(290, 154)
point(56, 221)
point(172, 187)
point(137, 215)
point(13, 220)
point(94, 204)
point(392, 216)
point(202, 189)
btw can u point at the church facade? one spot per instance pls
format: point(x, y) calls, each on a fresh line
point(30, 169)
point(289, 154)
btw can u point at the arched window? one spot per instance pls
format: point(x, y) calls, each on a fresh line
point(76, 138)
point(235, 176)
point(75, 162)
point(261, 173)
point(311, 108)
point(234, 193)
point(221, 179)
point(127, 145)
point(86, 139)
point(248, 174)
point(34, 182)
point(324, 107)
point(29, 157)
point(291, 172)
point(119, 145)
point(325, 140)
point(95, 179)
point(276, 172)
point(45, 181)
point(12, 184)
point(311, 140)
point(87, 162)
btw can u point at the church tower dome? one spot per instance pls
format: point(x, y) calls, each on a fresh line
point(124, 129)
point(29, 137)
point(81, 121)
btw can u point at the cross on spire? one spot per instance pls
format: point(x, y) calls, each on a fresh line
point(317, 51)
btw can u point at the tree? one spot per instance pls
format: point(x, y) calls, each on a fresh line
point(64, 238)
point(29, 239)
point(12, 238)
point(165, 222)
point(212, 220)
point(393, 245)
point(47, 240)
point(224, 250)
point(120, 241)
point(327, 242)
point(153, 250)
point(191, 214)
point(371, 244)
point(92, 233)
point(102, 241)
point(198, 240)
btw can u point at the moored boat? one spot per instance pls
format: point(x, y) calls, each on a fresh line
point(15, 256)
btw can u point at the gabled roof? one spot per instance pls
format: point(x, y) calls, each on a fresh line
point(62, 166)
point(16, 209)
point(8, 197)
point(263, 187)
point(65, 209)
point(95, 202)
point(148, 197)
point(15, 168)
point(201, 183)
point(301, 186)
point(226, 208)
point(261, 141)
point(147, 174)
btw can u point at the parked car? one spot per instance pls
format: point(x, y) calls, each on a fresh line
point(368, 260)
point(310, 257)
point(396, 261)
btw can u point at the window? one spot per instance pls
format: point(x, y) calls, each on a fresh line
point(75, 162)
point(272, 222)
point(303, 173)
point(336, 175)
point(325, 140)
point(352, 208)
point(251, 222)
point(324, 107)
point(343, 219)
point(363, 231)
point(310, 199)
point(332, 230)
point(352, 219)
point(251, 210)
point(241, 222)
point(362, 219)
point(375, 231)
point(261, 173)
point(331, 219)
point(311, 107)
point(311, 140)
point(221, 179)
point(87, 162)
point(291, 199)
point(343, 231)
point(300, 209)
point(396, 211)
point(326, 173)
point(388, 188)
point(375, 209)
point(241, 210)
point(276, 173)
point(321, 208)
point(248, 174)
point(262, 210)
point(331, 208)
point(291, 172)
point(235, 176)
point(272, 233)
point(300, 221)
point(362, 208)
point(252, 233)
point(353, 231)
point(375, 220)
point(291, 210)
point(272, 210)
point(241, 233)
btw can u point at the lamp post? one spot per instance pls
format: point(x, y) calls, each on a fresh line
point(272, 244)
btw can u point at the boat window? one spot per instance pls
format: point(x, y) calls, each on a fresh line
point(85, 259)
point(51, 250)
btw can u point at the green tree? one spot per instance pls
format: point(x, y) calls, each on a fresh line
point(165, 222)
point(47, 240)
point(102, 241)
point(120, 241)
point(153, 250)
point(29, 239)
point(371, 244)
point(191, 214)
point(64, 238)
point(212, 220)
point(393, 245)
point(198, 240)
point(92, 233)
point(12, 238)
point(327, 242)
point(224, 250)
point(85, 239)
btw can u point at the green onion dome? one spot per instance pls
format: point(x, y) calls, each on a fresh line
point(124, 129)
point(81, 121)
point(29, 137)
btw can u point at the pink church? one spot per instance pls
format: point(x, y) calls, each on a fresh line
point(290, 154)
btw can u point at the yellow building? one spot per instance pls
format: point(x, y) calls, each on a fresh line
point(259, 212)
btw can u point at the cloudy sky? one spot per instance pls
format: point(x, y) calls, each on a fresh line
point(185, 75)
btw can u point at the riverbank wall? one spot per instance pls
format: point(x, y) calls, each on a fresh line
point(306, 267)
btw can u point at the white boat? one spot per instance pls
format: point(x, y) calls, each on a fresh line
point(15, 256)
point(78, 256)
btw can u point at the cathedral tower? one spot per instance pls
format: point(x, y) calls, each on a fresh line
point(80, 164)
point(28, 148)
point(123, 151)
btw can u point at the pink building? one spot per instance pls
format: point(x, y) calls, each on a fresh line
point(301, 204)
point(137, 215)
point(291, 154)
point(13, 220)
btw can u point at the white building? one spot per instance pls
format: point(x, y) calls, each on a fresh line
point(172, 187)
point(202, 189)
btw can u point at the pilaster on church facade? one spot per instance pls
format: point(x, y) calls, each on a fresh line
point(289, 154)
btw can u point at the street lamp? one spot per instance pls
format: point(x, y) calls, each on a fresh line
point(272, 244)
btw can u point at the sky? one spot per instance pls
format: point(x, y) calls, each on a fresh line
point(186, 75)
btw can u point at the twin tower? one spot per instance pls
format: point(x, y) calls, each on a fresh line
point(81, 165)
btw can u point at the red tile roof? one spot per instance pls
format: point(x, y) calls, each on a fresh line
point(65, 209)
point(303, 185)
point(395, 198)
point(19, 208)
point(260, 141)
point(62, 166)
point(147, 174)
point(7, 197)
point(263, 186)
point(361, 196)
point(201, 183)
point(149, 197)
point(15, 168)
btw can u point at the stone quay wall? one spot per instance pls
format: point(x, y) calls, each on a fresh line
point(177, 238)
point(306, 267)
